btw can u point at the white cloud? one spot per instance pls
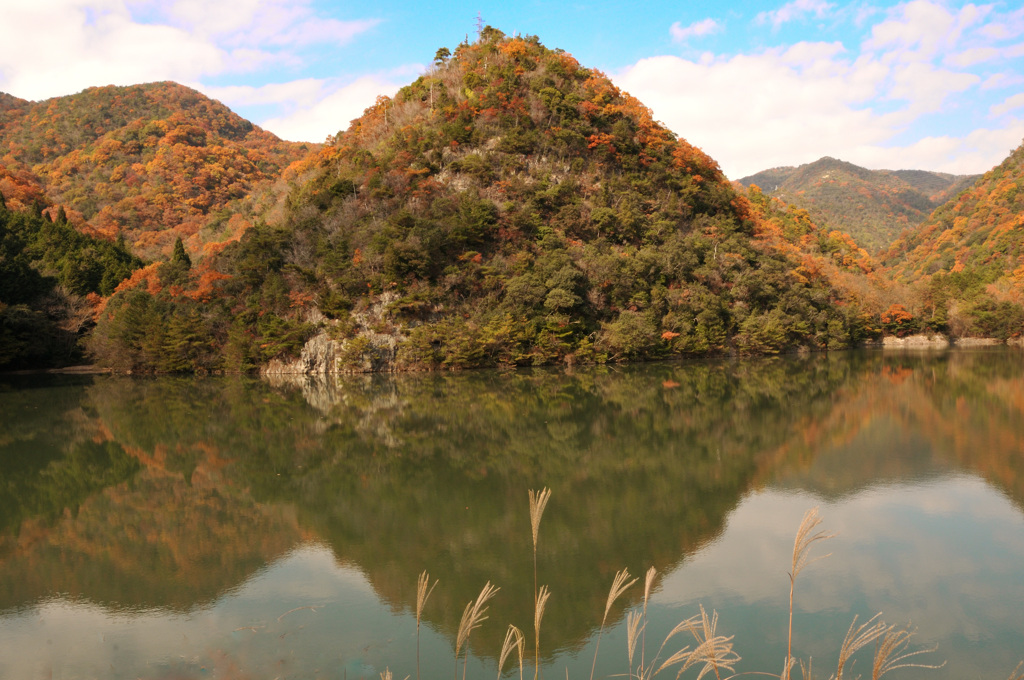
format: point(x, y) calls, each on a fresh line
point(123, 42)
point(1009, 104)
point(925, 87)
point(795, 10)
point(794, 104)
point(331, 113)
point(1000, 81)
point(304, 92)
point(970, 57)
point(976, 152)
point(921, 29)
point(750, 111)
point(97, 45)
point(694, 30)
point(1008, 27)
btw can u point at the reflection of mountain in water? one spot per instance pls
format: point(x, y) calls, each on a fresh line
point(915, 417)
point(155, 541)
point(431, 472)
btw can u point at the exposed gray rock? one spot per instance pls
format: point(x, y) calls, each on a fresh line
point(919, 341)
point(319, 356)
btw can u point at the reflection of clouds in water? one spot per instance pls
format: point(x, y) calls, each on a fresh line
point(309, 571)
point(295, 607)
point(946, 557)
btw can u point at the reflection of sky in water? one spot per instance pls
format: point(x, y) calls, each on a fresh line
point(305, 616)
point(946, 557)
point(909, 551)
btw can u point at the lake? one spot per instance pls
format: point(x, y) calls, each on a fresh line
point(237, 528)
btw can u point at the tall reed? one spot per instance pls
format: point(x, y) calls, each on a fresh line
point(891, 652)
point(856, 638)
point(619, 586)
point(538, 501)
point(806, 536)
point(472, 617)
point(708, 651)
point(513, 640)
point(423, 590)
point(538, 615)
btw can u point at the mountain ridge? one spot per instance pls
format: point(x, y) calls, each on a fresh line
point(510, 207)
point(873, 206)
point(150, 162)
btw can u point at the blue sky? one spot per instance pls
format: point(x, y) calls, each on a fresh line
point(924, 84)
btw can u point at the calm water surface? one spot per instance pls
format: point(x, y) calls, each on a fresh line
point(223, 528)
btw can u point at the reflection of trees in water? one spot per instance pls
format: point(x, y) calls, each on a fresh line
point(90, 513)
point(916, 415)
point(404, 473)
point(645, 462)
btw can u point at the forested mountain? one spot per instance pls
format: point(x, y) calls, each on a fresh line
point(151, 163)
point(509, 207)
point(873, 206)
point(968, 257)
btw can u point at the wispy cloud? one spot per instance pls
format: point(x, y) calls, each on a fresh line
point(919, 30)
point(698, 29)
point(972, 56)
point(1008, 104)
point(798, 9)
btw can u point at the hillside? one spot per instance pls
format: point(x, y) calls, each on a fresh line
point(968, 257)
point(873, 206)
point(148, 162)
point(510, 207)
point(52, 282)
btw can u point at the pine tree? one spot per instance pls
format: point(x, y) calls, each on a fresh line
point(180, 257)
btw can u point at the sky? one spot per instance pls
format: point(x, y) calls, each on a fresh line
point(926, 84)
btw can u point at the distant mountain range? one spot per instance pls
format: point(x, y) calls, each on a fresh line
point(873, 206)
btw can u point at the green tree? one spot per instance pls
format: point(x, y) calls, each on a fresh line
point(180, 257)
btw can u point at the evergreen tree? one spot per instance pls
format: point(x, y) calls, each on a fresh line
point(180, 257)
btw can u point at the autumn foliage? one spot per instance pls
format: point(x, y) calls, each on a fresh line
point(149, 163)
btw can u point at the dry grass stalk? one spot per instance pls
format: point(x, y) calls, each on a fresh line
point(891, 652)
point(678, 657)
point(538, 501)
point(619, 585)
point(472, 617)
point(1018, 672)
point(514, 639)
point(858, 637)
point(714, 651)
point(538, 616)
point(648, 583)
point(634, 626)
point(806, 536)
point(423, 590)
